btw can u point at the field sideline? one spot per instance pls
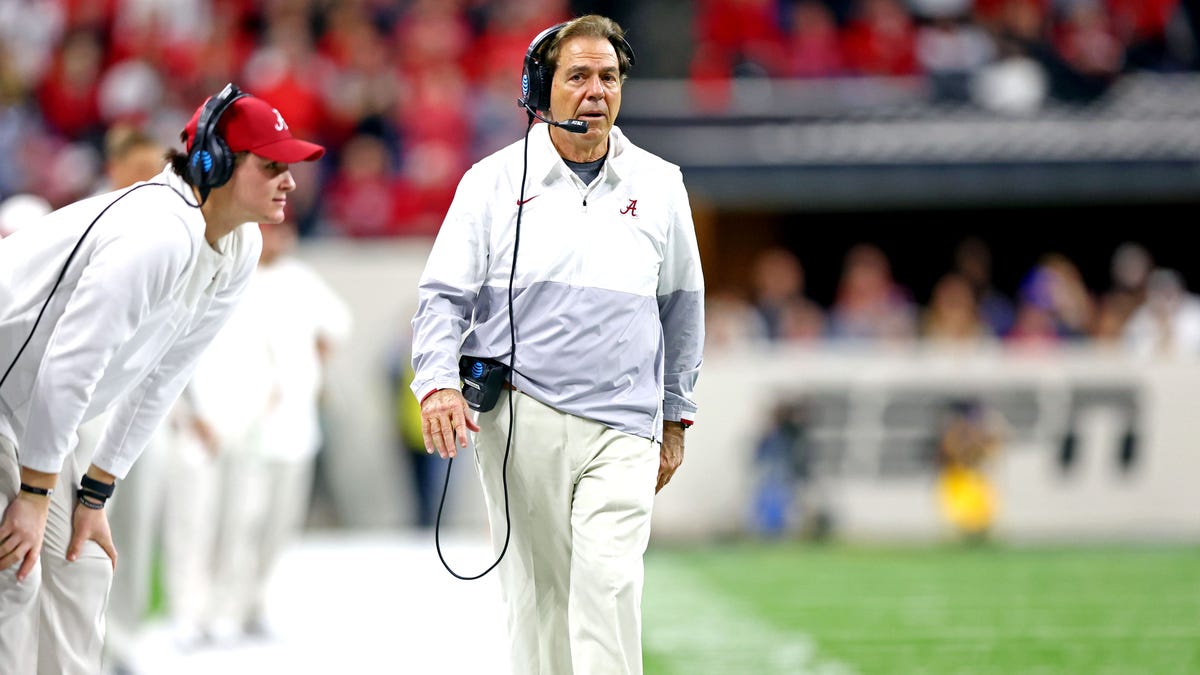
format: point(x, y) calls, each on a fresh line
point(792, 609)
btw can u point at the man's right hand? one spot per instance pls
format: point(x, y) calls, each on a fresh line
point(445, 419)
point(21, 532)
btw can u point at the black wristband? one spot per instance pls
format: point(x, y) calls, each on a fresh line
point(45, 492)
point(98, 488)
point(93, 495)
point(86, 500)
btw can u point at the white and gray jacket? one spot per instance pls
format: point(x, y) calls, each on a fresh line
point(141, 300)
point(608, 296)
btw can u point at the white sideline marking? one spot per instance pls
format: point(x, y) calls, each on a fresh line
point(361, 604)
point(702, 632)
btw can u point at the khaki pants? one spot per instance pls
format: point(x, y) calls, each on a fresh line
point(53, 622)
point(580, 496)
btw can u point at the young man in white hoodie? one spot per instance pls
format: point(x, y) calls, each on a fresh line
point(106, 304)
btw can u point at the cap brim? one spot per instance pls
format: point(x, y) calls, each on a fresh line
point(289, 151)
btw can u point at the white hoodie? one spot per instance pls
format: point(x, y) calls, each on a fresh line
point(141, 299)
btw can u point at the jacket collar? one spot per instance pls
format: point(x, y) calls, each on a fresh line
point(546, 164)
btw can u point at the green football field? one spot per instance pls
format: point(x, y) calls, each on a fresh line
point(764, 609)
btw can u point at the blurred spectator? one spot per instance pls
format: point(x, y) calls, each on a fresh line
point(366, 88)
point(1086, 40)
point(870, 305)
point(1033, 327)
point(432, 169)
point(950, 49)
point(739, 37)
point(364, 198)
point(731, 321)
point(973, 261)
point(952, 317)
point(783, 471)
point(1130, 269)
point(300, 321)
point(493, 120)
point(287, 71)
point(257, 393)
point(426, 471)
point(1055, 287)
point(508, 27)
point(881, 39)
point(1016, 82)
point(785, 312)
point(1141, 25)
point(442, 89)
point(1077, 64)
point(1168, 323)
point(67, 96)
point(69, 172)
point(432, 33)
point(30, 31)
point(20, 210)
point(813, 44)
point(970, 438)
point(130, 156)
point(130, 93)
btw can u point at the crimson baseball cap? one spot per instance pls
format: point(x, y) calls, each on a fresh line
point(251, 124)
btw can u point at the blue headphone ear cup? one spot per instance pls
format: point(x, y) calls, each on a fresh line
point(198, 165)
point(223, 160)
point(210, 165)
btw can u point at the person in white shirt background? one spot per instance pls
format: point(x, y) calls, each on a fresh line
point(1167, 324)
point(258, 390)
point(107, 303)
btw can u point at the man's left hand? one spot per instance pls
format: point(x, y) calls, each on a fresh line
point(91, 524)
point(671, 455)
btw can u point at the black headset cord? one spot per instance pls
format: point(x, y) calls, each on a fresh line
point(512, 362)
point(62, 275)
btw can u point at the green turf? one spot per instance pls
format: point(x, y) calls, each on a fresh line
point(788, 608)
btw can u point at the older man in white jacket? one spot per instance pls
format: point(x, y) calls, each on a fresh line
point(107, 303)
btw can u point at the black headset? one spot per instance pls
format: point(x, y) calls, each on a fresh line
point(210, 161)
point(537, 75)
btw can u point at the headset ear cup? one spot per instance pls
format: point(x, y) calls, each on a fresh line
point(197, 161)
point(543, 79)
point(223, 160)
point(211, 165)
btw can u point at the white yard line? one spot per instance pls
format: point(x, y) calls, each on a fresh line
point(700, 631)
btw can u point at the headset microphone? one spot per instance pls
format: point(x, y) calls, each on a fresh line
point(574, 126)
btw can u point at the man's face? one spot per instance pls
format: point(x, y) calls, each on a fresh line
point(260, 188)
point(587, 86)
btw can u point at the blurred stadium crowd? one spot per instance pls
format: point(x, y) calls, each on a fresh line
point(406, 95)
point(1145, 309)
point(1076, 46)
